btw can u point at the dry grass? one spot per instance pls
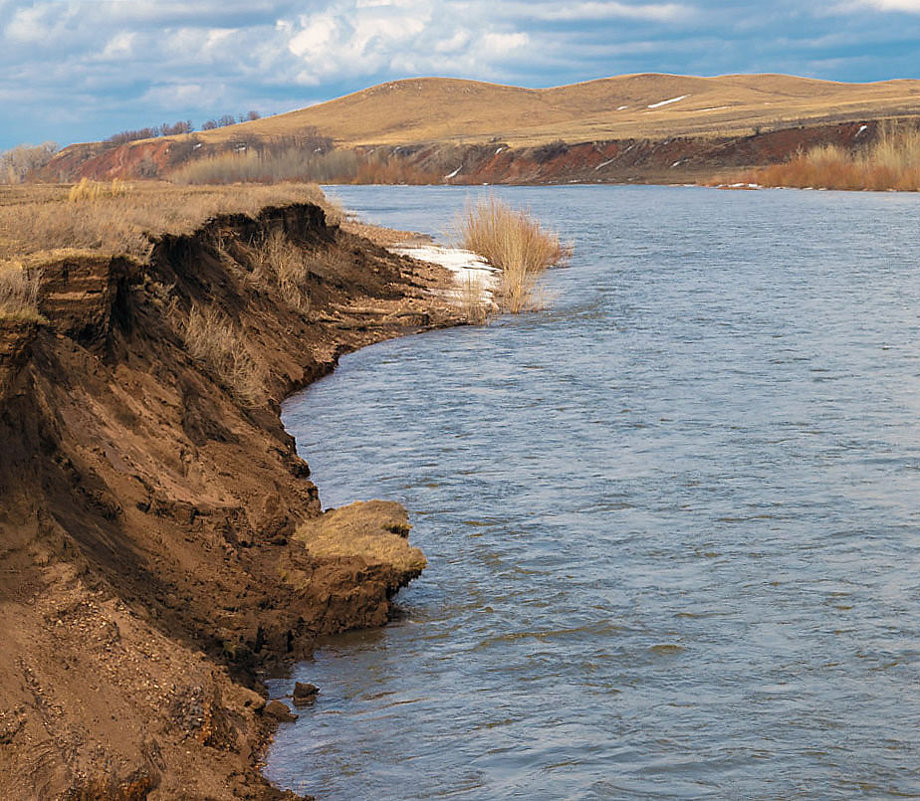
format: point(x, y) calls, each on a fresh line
point(515, 243)
point(214, 340)
point(892, 161)
point(38, 218)
point(287, 266)
point(19, 293)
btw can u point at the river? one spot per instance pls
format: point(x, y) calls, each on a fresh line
point(672, 522)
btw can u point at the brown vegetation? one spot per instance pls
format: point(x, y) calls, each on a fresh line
point(891, 161)
point(515, 243)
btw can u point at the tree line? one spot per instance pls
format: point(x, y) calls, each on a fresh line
point(177, 128)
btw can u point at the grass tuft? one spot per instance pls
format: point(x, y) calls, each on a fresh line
point(214, 340)
point(19, 293)
point(515, 243)
point(287, 266)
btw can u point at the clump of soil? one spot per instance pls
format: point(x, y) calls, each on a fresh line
point(155, 545)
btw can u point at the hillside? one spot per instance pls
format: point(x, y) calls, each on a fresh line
point(651, 128)
point(440, 110)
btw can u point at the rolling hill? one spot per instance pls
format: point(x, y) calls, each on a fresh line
point(442, 110)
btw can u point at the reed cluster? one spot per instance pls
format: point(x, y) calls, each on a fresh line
point(94, 190)
point(891, 161)
point(514, 242)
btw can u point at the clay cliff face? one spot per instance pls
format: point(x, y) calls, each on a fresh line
point(153, 554)
point(674, 160)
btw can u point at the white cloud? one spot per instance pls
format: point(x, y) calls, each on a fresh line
point(570, 12)
point(908, 6)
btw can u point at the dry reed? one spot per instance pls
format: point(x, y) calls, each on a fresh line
point(94, 190)
point(214, 340)
point(514, 242)
point(475, 301)
point(891, 161)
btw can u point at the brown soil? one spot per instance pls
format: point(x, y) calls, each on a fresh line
point(156, 544)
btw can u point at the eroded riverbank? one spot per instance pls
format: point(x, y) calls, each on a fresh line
point(152, 558)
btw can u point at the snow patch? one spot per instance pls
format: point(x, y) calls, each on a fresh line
point(454, 174)
point(469, 269)
point(668, 102)
point(862, 130)
point(604, 164)
point(622, 108)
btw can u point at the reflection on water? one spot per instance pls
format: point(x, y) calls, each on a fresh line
point(673, 523)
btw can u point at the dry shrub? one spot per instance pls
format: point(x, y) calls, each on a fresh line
point(514, 242)
point(214, 340)
point(19, 292)
point(891, 161)
point(37, 218)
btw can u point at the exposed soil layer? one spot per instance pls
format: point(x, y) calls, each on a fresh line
point(150, 568)
point(674, 160)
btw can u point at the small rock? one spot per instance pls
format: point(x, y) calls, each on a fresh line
point(304, 693)
point(280, 712)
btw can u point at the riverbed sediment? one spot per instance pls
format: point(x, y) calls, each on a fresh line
point(154, 561)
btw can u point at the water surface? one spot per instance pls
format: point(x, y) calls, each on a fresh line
point(673, 522)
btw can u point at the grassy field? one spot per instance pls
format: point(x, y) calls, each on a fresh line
point(117, 217)
point(629, 106)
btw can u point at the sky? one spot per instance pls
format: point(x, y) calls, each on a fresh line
point(80, 70)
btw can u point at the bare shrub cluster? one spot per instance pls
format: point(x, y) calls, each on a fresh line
point(20, 162)
point(270, 165)
point(515, 243)
point(214, 340)
point(252, 166)
point(891, 161)
point(19, 292)
point(36, 218)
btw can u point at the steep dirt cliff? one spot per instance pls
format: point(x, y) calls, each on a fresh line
point(149, 568)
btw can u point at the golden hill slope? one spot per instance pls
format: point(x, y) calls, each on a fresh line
point(448, 110)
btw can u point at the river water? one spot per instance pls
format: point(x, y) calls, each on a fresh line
point(672, 522)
